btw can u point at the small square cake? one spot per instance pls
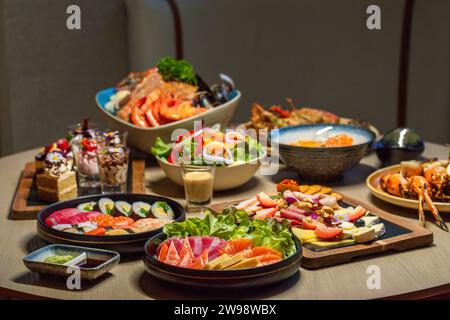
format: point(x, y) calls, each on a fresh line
point(56, 180)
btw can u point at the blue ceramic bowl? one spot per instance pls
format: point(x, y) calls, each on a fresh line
point(322, 163)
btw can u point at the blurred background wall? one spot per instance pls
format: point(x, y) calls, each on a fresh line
point(318, 52)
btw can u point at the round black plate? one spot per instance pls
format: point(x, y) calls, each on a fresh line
point(244, 278)
point(130, 243)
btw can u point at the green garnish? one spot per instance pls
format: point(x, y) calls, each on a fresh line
point(161, 148)
point(176, 70)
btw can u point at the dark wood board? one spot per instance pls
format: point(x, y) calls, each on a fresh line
point(416, 237)
point(22, 210)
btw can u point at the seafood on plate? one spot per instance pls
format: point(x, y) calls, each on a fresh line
point(425, 181)
point(278, 117)
point(319, 219)
point(110, 218)
point(169, 92)
point(210, 146)
point(228, 241)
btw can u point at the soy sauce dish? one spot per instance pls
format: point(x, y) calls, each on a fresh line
point(54, 260)
point(119, 222)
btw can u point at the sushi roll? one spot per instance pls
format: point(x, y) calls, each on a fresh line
point(87, 206)
point(123, 208)
point(106, 206)
point(161, 210)
point(141, 210)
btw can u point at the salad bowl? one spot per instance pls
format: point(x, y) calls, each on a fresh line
point(144, 138)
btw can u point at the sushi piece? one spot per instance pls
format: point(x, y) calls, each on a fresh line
point(141, 210)
point(61, 216)
point(149, 224)
point(87, 206)
point(106, 206)
point(123, 208)
point(161, 210)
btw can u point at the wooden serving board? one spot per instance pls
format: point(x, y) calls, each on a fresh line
point(416, 236)
point(23, 210)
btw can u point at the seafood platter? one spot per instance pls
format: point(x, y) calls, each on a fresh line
point(155, 102)
point(235, 156)
point(332, 228)
point(421, 185)
point(226, 250)
point(119, 222)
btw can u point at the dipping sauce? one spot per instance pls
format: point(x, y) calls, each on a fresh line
point(91, 263)
point(198, 186)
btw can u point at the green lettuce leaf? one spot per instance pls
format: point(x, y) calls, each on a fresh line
point(161, 148)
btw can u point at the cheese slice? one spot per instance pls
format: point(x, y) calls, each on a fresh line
point(364, 234)
point(230, 261)
point(305, 236)
point(370, 220)
point(214, 263)
point(379, 229)
point(244, 264)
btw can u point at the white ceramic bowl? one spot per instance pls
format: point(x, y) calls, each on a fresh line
point(226, 177)
point(144, 138)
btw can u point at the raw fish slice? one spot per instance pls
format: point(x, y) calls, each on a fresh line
point(149, 224)
point(172, 256)
point(236, 246)
point(267, 262)
point(215, 248)
point(262, 250)
point(122, 222)
point(268, 257)
point(60, 216)
point(163, 250)
point(200, 262)
point(83, 217)
point(177, 242)
point(103, 220)
point(186, 250)
point(186, 261)
point(196, 245)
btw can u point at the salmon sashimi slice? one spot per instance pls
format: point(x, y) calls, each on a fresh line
point(186, 261)
point(163, 250)
point(186, 250)
point(237, 245)
point(268, 257)
point(267, 262)
point(122, 222)
point(103, 220)
point(263, 250)
point(172, 256)
point(200, 262)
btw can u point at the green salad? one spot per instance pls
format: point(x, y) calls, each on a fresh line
point(207, 147)
point(235, 224)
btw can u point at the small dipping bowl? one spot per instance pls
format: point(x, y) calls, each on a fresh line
point(35, 261)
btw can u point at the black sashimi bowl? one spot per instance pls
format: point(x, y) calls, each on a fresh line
point(226, 279)
point(124, 244)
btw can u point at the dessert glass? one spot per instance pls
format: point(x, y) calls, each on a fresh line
point(86, 165)
point(112, 138)
point(113, 169)
point(198, 186)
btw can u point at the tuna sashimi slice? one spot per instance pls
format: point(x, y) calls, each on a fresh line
point(196, 243)
point(215, 248)
point(58, 217)
point(83, 217)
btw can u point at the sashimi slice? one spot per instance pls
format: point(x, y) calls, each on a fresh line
point(186, 250)
point(236, 246)
point(263, 250)
point(267, 262)
point(247, 203)
point(196, 245)
point(268, 257)
point(177, 242)
point(186, 261)
point(215, 248)
point(200, 262)
point(83, 217)
point(61, 216)
point(163, 250)
point(172, 255)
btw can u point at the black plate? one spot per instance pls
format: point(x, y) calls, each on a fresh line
point(251, 277)
point(130, 243)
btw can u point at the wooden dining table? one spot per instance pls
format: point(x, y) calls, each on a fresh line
point(415, 274)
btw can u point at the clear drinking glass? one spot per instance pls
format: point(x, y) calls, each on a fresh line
point(113, 169)
point(86, 166)
point(112, 138)
point(198, 186)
